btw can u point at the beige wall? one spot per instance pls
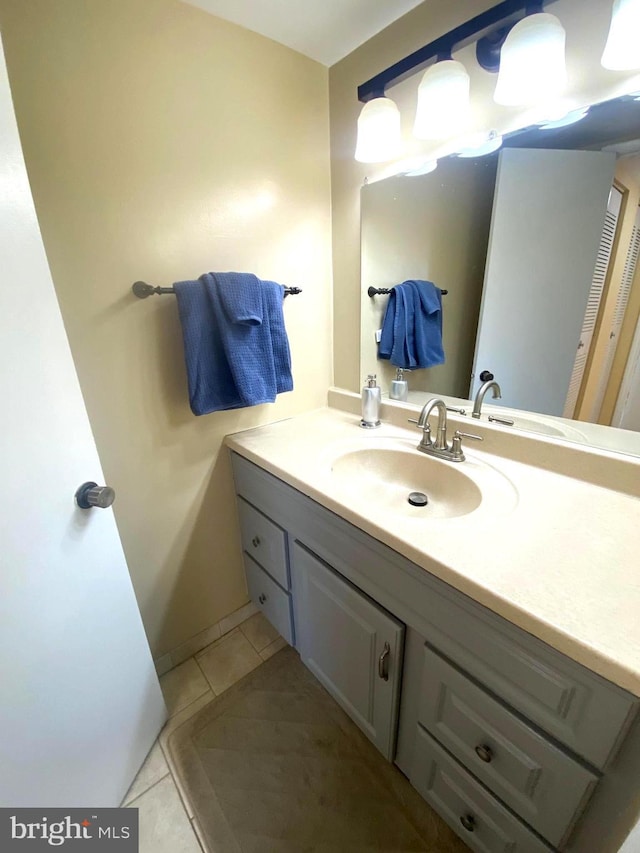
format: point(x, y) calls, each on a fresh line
point(586, 22)
point(161, 143)
point(433, 227)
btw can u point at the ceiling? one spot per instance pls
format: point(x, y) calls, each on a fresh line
point(325, 30)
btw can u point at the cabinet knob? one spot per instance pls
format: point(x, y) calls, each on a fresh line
point(484, 753)
point(262, 598)
point(383, 663)
point(255, 541)
point(91, 494)
point(468, 821)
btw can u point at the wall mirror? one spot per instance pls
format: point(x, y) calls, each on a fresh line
point(537, 246)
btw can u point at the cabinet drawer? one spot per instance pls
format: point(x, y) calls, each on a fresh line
point(274, 602)
point(578, 708)
point(537, 780)
point(264, 541)
point(470, 810)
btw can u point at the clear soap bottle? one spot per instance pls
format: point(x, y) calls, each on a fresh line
point(371, 396)
point(399, 389)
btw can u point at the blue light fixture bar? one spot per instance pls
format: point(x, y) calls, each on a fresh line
point(489, 29)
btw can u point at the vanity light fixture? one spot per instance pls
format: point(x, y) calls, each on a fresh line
point(519, 39)
point(443, 101)
point(379, 136)
point(622, 50)
point(532, 61)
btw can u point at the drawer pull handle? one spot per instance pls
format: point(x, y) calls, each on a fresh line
point(484, 753)
point(255, 541)
point(383, 663)
point(468, 821)
point(262, 598)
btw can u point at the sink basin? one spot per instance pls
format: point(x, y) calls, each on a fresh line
point(383, 476)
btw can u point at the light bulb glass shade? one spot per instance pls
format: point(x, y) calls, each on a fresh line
point(379, 136)
point(532, 62)
point(443, 101)
point(622, 50)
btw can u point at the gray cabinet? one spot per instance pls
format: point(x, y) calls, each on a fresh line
point(517, 746)
point(527, 771)
point(351, 644)
point(266, 566)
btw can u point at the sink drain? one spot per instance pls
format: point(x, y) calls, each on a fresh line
point(418, 499)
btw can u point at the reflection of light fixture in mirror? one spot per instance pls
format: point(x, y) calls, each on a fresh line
point(479, 144)
point(532, 62)
point(420, 167)
point(443, 101)
point(622, 50)
point(566, 120)
point(379, 136)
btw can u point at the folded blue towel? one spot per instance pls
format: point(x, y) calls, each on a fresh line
point(235, 342)
point(412, 326)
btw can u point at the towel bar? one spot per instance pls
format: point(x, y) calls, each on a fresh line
point(375, 291)
point(141, 289)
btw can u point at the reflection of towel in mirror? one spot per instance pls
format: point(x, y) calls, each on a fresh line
point(235, 342)
point(412, 326)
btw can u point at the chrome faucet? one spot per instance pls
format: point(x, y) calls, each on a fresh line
point(482, 390)
point(423, 422)
point(439, 447)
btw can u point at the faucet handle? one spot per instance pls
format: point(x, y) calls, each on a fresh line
point(456, 445)
point(426, 440)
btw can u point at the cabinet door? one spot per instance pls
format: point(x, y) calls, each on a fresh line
point(352, 646)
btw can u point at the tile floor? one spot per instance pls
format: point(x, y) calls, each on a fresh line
point(167, 824)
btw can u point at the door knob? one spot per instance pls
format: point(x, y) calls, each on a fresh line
point(91, 494)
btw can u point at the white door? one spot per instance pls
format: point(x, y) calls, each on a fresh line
point(81, 704)
point(548, 213)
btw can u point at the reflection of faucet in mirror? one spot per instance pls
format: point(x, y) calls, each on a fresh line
point(482, 390)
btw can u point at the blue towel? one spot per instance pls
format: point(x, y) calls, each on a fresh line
point(235, 342)
point(412, 327)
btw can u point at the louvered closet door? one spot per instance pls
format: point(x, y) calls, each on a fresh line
point(595, 295)
point(630, 265)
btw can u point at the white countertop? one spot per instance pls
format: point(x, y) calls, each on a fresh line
point(557, 557)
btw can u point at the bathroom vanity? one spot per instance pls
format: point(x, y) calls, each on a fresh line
point(446, 632)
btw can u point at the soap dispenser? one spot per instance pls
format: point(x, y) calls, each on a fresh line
point(399, 389)
point(371, 396)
